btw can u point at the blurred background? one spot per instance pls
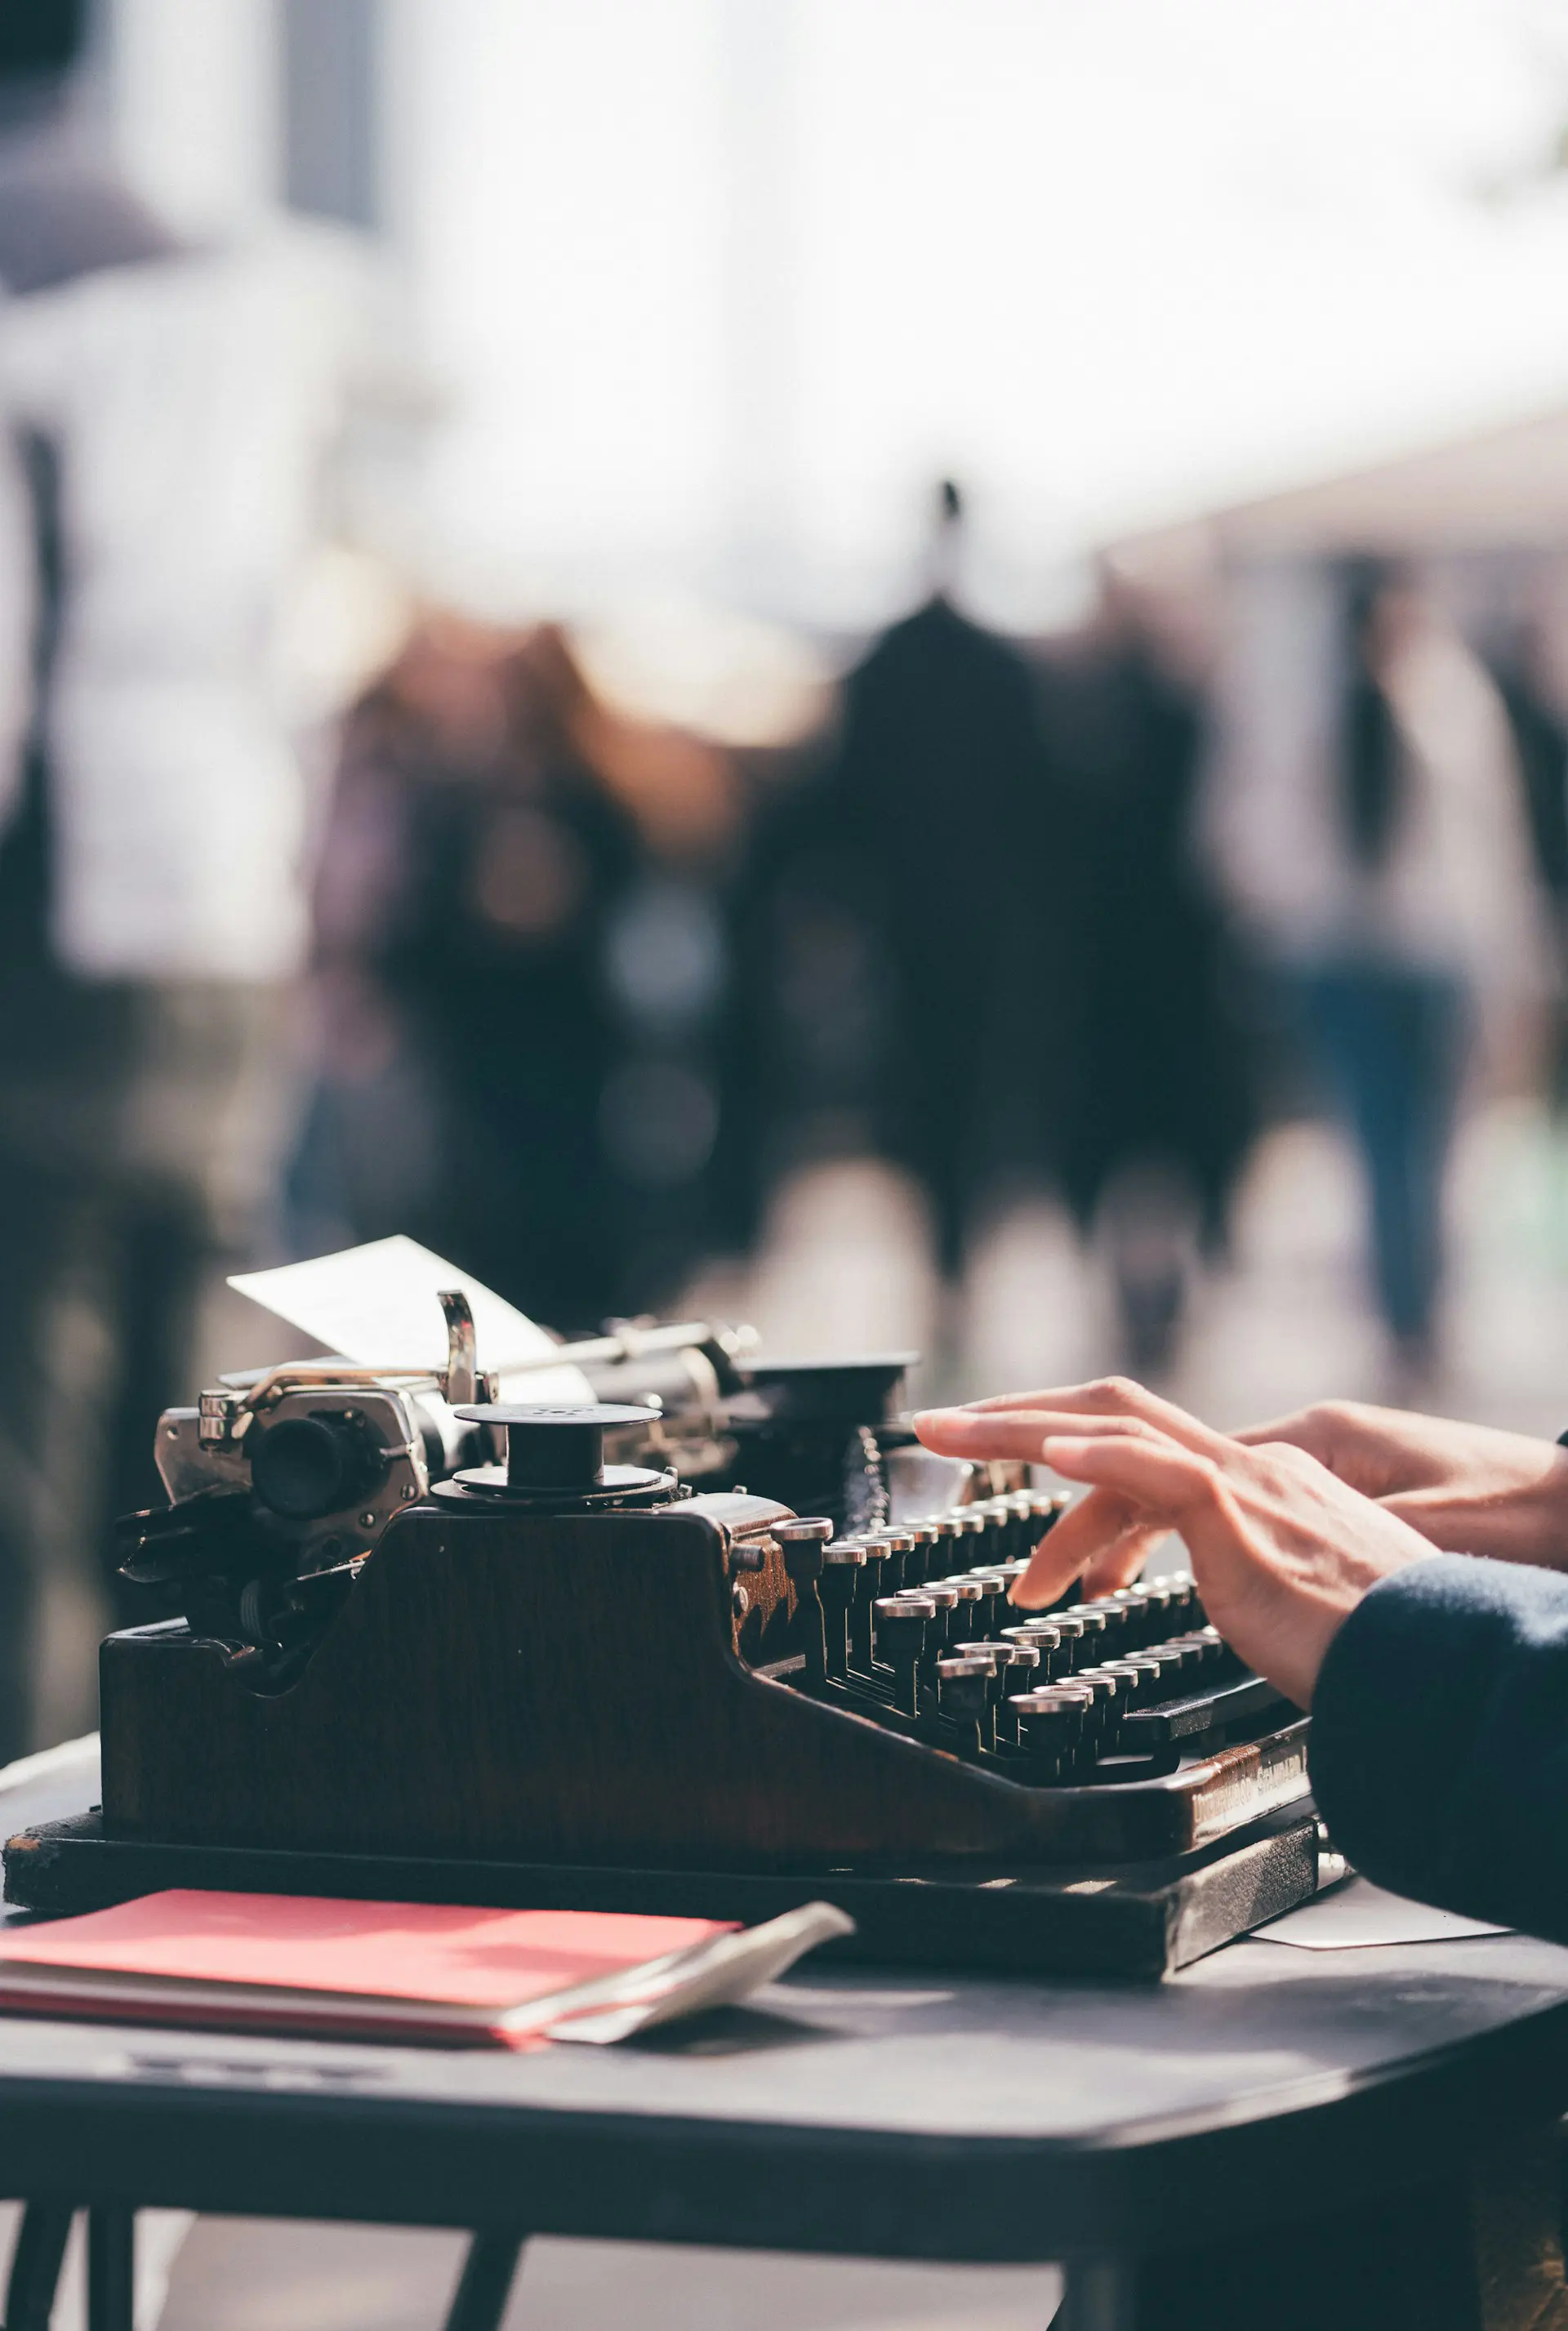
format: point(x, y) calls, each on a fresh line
point(898, 671)
point(894, 668)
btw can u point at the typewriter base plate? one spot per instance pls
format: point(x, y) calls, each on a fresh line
point(1138, 1919)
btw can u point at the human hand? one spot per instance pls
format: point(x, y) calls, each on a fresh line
point(1469, 1488)
point(1282, 1548)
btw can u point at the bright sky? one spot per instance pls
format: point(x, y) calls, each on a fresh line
point(720, 285)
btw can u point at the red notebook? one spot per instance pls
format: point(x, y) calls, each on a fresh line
point(406, 1971)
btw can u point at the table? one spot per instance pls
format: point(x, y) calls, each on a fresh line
point(1273, 2137)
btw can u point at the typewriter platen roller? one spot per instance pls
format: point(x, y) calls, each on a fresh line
point(572, 1668)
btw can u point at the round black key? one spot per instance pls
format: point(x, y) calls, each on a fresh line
point(1021, 1674)
point(968, 1613)
point(843, 1562)
point(922, 1562)
point(1051, 1727)
point(901, 1623)
point(1070, 1627)
point(1105, 1687)
point(800, 1542)
point(898, 1542)
point(943, 1600)
point(992, 1585)
point(1130, 1682)
point(1169, 1664)
point(1115, 1632)
point(873, 1581)
point(1152, 1673)
point(1094, 1624)
point(803, 1541)
point(1157, 1602)
point(1047, 1731)
point(1045, 1637)
point(1179, 1586)
point(963, 1695)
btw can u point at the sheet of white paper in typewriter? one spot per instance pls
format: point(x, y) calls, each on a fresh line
point(377, 1305)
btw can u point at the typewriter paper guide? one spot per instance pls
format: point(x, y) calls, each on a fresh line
point(377, 1305)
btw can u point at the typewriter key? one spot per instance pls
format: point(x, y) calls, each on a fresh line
point(1157, 1602)
point(1044, 1512)
point(1179, 1586)
point(1045, 1637)
point(963, 1696)
point(1129, 1685)
point(920, 1564)
point(1151, 1672)
point(1028, 1664)
point(1094, 1623)
point(844, 1560)
point(900, 1540)
point(1011, 1663)
point(1210, 1650)
point(801, 1543)
point(1169, 1663)
point(943, 1601)
point(1070, 1629)
point(1135, 1619)
point(992, 1585)
point(901, 1623)
point(965, 1617)
point(1051, 1729)
point(1114, 1634)
point(1102, 1718)
point(995, 1658)
point(868, 1585)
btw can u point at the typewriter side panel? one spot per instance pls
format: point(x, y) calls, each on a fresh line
point(569, 1689)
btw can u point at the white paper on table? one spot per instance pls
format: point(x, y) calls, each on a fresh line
point(378, 1306)
point(1359, 1916)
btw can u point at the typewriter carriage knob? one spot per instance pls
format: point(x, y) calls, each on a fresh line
point(556, 1454)
point(306, 1466)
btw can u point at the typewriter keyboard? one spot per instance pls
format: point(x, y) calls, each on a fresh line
point(910, 1625)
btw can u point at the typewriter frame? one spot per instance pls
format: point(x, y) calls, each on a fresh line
point(436, 1747)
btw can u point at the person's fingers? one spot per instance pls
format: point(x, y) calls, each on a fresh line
point(1120, 1563)
point(1018, 1435)
point(1117, 1397)
point(1091, 1533)
point(1149, 1470)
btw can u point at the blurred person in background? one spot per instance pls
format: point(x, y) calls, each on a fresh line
point(900, 910)
point(1368, 810)
point(518, 970)
point(162, 410)
point(1525, 665)
point(1150, 1110)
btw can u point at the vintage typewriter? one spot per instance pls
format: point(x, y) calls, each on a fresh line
point(719, 1640)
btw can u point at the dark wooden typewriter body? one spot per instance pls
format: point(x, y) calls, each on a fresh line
point(658, 1706)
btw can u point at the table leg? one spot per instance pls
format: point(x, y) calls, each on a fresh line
point(111, 2270)
point(1402, 2259)
point(486, 2284)
point(35, 2264)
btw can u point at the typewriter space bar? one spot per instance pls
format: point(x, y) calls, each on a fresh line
point(1184, 1720)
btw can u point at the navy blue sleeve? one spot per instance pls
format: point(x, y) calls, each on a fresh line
point(1439, 1739)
